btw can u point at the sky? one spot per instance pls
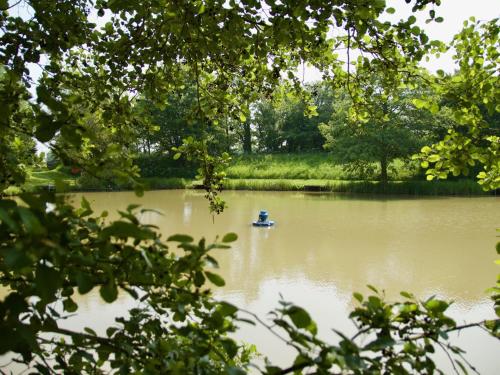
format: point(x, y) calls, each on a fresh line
point(454, 13)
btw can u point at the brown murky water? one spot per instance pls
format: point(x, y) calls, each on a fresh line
point(325, 247)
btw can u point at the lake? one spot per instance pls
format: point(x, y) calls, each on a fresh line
point(324, 247)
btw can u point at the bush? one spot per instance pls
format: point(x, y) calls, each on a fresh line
point(165, 166)
point(105, 182)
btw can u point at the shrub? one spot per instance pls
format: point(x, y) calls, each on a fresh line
point(164, 166)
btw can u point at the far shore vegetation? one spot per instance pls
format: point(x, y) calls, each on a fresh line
point(282, 144)
point(314, 171)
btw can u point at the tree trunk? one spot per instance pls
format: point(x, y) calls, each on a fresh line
point(383, 169)
point(247, 138)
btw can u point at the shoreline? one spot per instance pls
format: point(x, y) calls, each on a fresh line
point(409, 188)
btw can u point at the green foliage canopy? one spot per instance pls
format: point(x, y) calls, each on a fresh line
point(472, 94)
point(393, 128)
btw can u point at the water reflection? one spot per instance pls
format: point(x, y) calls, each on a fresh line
point(324, 247)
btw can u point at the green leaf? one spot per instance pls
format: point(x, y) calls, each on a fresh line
point(5, 218)
point(47, 282)
point(407, 295)
point(390, 10)
point(109, 291)
point(434, 158)
point(243, 118)
point(47, 129)
point(372, 288)
point(380, 343)
point(122, 229)
point(436, 306)
point(226, 308)
point(16, 259)
point(177, 155)
point(180, 238)
point(299, 316)
point(358, 296)
point(439, 19)
point(85, 282)
point(70, 305)
point(230, 237)
point(31, 222)
point(235, 371)
point(230, 347)
point(199, 279)
point(434, 108)
point(215, 279)
point(426, 150)
point(419, 103)
point(86, 207)
point(110, 331)
point(108, 27)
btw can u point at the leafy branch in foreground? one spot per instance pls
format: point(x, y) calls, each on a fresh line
point(471, 94)
point(395, 338)
point(47, 255)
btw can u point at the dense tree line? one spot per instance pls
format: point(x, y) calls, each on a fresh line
point(395, 127)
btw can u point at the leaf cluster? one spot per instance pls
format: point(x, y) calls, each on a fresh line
point(49, 255)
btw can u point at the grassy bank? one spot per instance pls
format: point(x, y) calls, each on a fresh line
point(285, 166)
point(319, 172)
point(43, 180)
point(263, 169)
point(461, 187)
point(313, 166)
point(54, 179)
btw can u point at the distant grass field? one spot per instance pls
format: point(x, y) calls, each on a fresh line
point(39, 180)
point(47, 179)
point(316, 166)
point(285, 166)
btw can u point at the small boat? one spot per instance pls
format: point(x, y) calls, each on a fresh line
point(263, 222)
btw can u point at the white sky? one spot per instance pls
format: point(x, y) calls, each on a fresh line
point(454, 12)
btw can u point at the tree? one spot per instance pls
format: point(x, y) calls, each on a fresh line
point(394, 129)
point(299, 130)
point(17, 149)
point(170, 124)
point(234, 52)
point(269, 138)
point(176, 120)
point(289, 123)
point(471, 94)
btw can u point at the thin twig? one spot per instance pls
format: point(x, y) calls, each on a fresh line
point(269, 327)
point(443, 347)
